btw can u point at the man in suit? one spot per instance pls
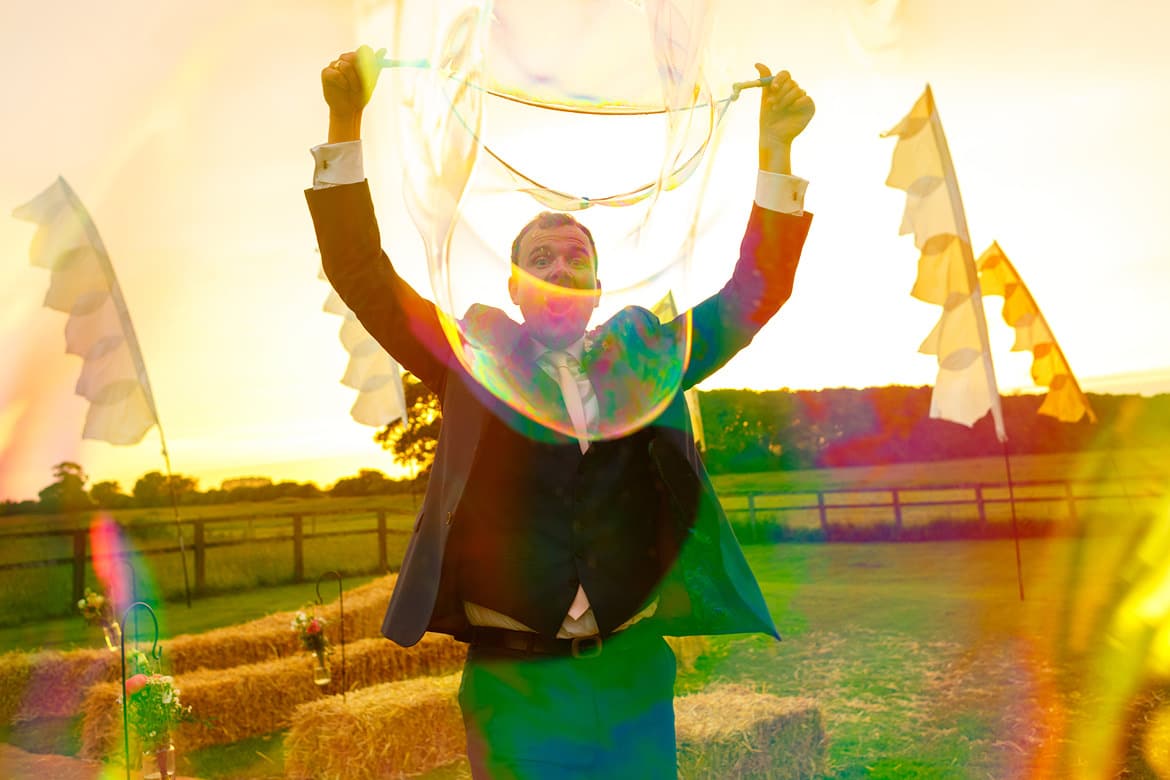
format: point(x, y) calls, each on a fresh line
point(561, 554)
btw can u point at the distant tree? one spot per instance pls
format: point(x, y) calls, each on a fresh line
point(413, 444)
point(271, 492)
point(368, 482)
point(109, 495)
point(68, 492)
point(152, 489)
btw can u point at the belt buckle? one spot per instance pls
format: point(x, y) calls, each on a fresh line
point(586, 646)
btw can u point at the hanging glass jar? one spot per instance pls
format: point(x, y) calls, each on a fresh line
point(112, 632)
point(321, 674)
point(159, 763)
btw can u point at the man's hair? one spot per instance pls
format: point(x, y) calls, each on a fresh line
point(552, 219)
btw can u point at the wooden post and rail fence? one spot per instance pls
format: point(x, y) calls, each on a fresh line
point(1059, 504)
point(1062, 502)
point(367, 523)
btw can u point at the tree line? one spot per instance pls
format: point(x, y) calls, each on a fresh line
point(69, 493)
point(749, 431)
point(775, 430)
point(746, 431)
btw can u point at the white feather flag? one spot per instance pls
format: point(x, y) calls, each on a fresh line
point(113, 375)
point(966, 388)
point(371, 371)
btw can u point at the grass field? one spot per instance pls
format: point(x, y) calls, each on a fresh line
point(922, 656)
point(266, 559)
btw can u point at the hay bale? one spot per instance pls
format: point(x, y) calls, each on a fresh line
point(270, 637)
point(1156, 742)
point(405, 728)
point(387, 731)
point(57, 680)
point(733, 731)
point(245, 701)
point(14, 675)
point(53, 684)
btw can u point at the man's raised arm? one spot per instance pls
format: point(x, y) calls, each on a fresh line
point(762, 280)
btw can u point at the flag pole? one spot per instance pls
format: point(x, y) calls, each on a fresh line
point(178, 520)
point(135, 354)
point(1007, 462)
point(956, 199)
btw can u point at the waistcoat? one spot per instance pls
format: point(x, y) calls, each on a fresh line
point(537, 517)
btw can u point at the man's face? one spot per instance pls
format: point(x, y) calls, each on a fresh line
point(554, 282)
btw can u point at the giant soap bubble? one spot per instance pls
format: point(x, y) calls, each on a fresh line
point(597, 108)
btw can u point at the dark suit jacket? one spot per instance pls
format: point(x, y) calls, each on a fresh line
point(709, 589)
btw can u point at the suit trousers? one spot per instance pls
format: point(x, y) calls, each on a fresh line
point(610, 716)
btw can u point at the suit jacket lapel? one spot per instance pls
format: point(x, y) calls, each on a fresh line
point(631, 361)
point(509, 367)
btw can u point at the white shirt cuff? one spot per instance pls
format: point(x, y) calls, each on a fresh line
point(780, 192)
point(336, 164)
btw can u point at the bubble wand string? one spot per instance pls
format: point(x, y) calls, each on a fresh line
point(573, 202)
point(386, 63)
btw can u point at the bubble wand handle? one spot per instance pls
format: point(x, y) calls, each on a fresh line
point(386, 62)
point(740, 86)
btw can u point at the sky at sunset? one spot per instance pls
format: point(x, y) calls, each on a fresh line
point(185, 129)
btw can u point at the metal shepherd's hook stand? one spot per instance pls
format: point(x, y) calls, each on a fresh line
point(155, 654)
point(128, 565)
point(340, 621)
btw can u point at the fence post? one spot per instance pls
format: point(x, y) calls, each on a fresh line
point(897, 514)
point(78, 566)
point(383, 565)
point(1072, 503)
point(752, 516)
point(298, 549)
point(200, 558)
point(823, 513)
point(979, 503)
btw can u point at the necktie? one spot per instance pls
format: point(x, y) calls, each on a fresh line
point(571, 392)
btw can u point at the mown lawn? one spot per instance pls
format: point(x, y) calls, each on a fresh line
point(922, 657)
point(924, 660)
point(926, 663)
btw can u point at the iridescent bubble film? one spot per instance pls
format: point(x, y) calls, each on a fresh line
point(505, 110)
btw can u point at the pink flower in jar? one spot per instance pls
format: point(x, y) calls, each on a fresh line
point(135, 684)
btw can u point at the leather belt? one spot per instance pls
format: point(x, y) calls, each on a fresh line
point(528, 643)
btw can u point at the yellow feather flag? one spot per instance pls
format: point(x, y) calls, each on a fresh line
point(665, 310)
point(113, 375)
point(965, 389)
point(1050, 369)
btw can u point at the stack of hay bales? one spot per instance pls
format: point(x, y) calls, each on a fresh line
point(733, 731)
point(15, 670)
point(50, 684)
point(53, 684)
point(246, 701)
point(402, 729)
point(387, 731)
